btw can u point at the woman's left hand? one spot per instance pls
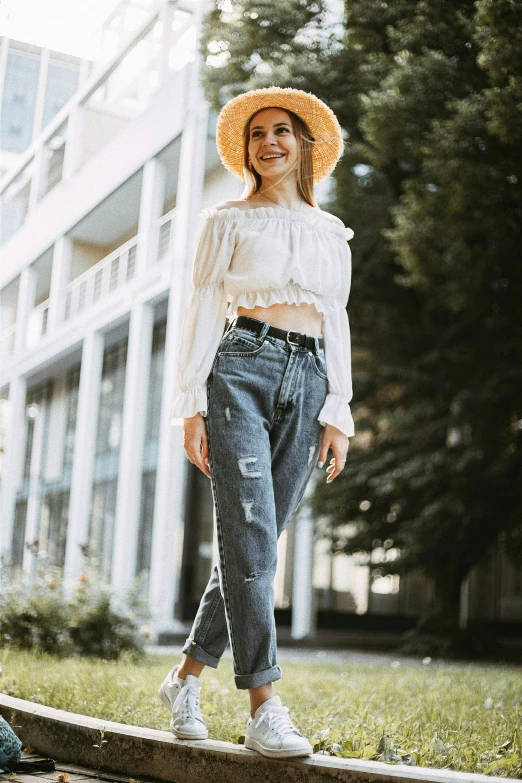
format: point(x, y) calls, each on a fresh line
point(338, 442)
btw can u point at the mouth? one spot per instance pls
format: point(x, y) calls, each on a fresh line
point(272, 156)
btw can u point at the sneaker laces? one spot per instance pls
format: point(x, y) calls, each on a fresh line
point(187, 703)
point(279, 719)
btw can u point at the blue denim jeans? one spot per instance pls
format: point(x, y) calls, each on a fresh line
point(264, 396)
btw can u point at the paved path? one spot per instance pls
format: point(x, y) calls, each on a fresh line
point(68, 773)
point(313, 655)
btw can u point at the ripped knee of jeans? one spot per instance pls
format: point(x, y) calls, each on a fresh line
point(243, 463)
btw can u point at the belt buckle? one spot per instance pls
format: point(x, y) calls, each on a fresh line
point(288, 340)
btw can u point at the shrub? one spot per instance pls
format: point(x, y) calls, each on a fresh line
point(35, 617)
point(101, 627)
point(90, 621)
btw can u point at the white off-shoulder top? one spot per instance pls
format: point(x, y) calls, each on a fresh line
point(263, 256)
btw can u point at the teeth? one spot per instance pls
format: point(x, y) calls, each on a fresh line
point(270, 157)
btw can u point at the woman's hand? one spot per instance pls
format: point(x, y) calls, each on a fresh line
point(195, 441)
point(337, 441)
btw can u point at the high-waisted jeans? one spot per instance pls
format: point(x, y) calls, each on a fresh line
point(264, 396)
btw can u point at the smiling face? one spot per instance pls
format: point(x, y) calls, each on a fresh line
point(272, 145)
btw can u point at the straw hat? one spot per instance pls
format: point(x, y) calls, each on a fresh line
point(321, 120)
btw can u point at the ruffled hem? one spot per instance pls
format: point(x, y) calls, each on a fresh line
point(336, 411)
point(324, 221)
point(290, 294)
point(188, 403)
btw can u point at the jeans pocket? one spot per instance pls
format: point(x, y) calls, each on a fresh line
point(241, 343)
point(319, 364)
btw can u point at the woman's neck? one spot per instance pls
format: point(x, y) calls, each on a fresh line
point(283, 193)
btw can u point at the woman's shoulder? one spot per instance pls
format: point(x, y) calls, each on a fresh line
point(247, 209)
point(241, 204)
point(344, 231)
point(225, 210)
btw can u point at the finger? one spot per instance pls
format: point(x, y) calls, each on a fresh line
point(336, 465)
point(204, 456)
point(323, 453)
point(201, 451)
point(332, 470)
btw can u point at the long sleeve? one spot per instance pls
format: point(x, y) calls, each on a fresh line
point(205, 315)
point(338, 355)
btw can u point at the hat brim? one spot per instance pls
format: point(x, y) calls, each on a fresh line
point(328, 143)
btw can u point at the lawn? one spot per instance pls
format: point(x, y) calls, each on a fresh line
point(464, 718)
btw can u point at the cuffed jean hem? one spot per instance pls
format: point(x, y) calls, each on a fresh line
point(193, 650)
point(256, 679)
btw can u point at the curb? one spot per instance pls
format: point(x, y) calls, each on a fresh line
point(136, 751)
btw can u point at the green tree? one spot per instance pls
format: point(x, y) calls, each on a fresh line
point(429, 95)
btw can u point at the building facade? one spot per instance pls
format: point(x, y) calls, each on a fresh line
point(100, 213)
point(35, 83)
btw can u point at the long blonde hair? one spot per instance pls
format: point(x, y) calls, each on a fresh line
point(305, 174)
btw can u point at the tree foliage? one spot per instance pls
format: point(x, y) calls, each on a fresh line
point(429, 95)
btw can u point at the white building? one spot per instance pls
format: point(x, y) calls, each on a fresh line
point(35, 83)
point(100, 215)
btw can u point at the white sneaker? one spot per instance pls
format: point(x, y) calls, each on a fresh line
point(272, 733)
point(182, 701)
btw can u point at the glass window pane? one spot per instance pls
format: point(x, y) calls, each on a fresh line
point(62, 83)
point(19, 101)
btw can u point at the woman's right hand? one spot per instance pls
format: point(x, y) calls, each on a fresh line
point(195, 441)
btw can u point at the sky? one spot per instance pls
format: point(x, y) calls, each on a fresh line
point(70, 26)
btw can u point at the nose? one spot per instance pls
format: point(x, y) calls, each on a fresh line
point(270, 139)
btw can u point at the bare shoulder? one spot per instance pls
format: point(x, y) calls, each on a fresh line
point(239, 204)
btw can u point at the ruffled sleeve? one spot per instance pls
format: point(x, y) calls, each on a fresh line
point(205, 315)
point(338, 355)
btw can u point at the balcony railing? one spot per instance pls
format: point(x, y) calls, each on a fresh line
point(108, 275)
point(164, 228)
point(97, 284)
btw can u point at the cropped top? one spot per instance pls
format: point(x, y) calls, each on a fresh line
point(262, 256)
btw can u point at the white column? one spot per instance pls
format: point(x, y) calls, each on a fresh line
point(165, 17)
point(32, 523)
point(13, 459)
point(131, 449)
point(40, 169)
point(25, 303)
point(302, 589)
point(172, 462)
point(84, 450)
point(60, 275)
point(57, 427)
point(40, 93)
point(74, 144)
point(151, 208)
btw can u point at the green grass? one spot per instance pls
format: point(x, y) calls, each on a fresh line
point(461, 718)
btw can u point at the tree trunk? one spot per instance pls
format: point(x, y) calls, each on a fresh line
point(438, 632)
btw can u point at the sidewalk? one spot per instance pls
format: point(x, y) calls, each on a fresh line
point(327, 656)
point(69, 773)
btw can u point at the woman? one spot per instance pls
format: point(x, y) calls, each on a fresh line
point(267, 399)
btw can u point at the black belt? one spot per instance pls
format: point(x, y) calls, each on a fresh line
point(294, 338)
